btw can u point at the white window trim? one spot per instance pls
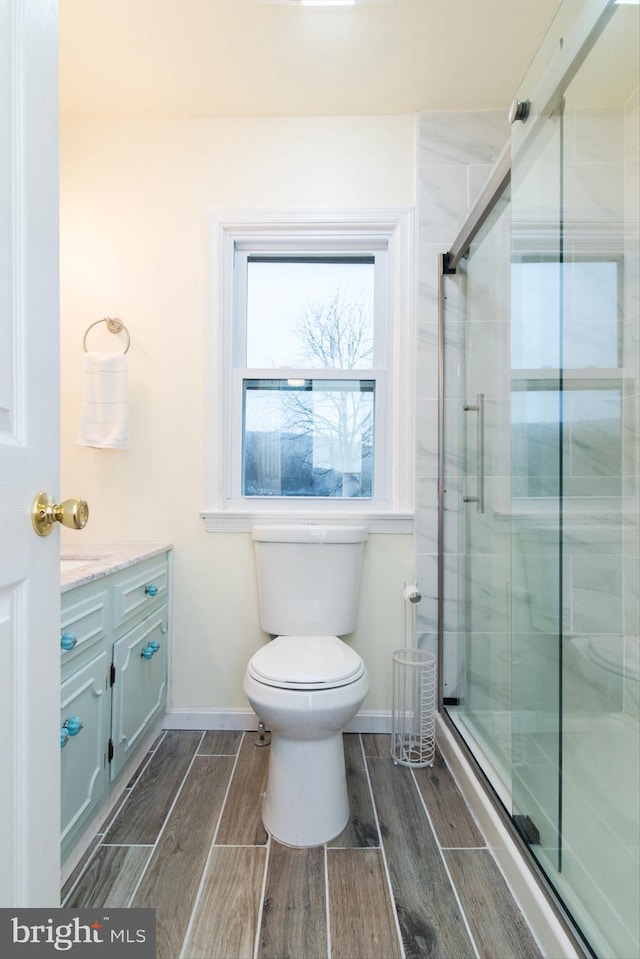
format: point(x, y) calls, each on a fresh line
point(395, 226)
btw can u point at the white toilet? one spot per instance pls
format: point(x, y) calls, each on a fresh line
point(306, 684)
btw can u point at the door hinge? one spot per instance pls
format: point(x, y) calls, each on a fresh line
point(112, 675)
point(110, 750)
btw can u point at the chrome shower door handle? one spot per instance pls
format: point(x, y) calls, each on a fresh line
point(478, 407)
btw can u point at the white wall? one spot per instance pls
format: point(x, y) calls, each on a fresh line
point(134, 198)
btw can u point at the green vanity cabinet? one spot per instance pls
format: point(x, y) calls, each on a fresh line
point(140, 690)
point(85, 714)
point(139, 655)
point(114, 632)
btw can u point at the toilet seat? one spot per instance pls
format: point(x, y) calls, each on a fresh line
point(306, 662)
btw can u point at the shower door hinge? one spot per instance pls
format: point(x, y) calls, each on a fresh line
point(527, 829)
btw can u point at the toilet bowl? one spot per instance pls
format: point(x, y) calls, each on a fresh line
point(306, 684)
point(306, 801)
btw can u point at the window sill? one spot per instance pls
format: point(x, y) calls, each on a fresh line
point(236, 521)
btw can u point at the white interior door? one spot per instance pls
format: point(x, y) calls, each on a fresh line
point(29, 458)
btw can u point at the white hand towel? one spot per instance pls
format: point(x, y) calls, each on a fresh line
point(104, 421)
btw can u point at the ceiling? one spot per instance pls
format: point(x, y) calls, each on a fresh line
point(225, 58)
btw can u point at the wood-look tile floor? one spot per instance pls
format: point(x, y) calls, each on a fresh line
point(410, 876)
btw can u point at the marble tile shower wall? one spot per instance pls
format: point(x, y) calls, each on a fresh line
point(457, 151)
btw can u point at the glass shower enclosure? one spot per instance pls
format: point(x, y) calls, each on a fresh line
point(540, 543)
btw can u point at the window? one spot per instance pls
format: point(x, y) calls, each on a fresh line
point(311, 326)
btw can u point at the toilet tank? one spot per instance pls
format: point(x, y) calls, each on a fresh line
point(308, 578)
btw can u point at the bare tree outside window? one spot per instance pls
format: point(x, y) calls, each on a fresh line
point(335, 333)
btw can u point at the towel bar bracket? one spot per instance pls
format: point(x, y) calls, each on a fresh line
point(114, 325)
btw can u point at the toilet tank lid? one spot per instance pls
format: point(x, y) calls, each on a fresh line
point(309, 533)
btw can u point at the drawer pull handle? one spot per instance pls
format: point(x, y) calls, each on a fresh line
point(151, 589)
point(73, 725)
point(68, 641)
point(64, 738)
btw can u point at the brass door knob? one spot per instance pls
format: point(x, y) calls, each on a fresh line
point(44, 513)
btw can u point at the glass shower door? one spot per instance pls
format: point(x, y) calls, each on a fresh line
point(598, 868)
point(484, 643)
point(541, 474)
point(536, 433)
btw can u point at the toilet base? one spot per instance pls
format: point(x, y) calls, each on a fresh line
point(306, 802)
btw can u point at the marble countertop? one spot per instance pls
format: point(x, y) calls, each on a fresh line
point(83, 563)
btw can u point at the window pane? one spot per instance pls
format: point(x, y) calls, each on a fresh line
point(310, 313)
point(308, 438)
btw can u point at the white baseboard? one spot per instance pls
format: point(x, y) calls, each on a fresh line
point(552, 937)
point(209, 719)
point(370, 721)
point(367, 721)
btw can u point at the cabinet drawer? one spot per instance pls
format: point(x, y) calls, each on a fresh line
point(138, 590)
point(84, 621)
point(84, 698)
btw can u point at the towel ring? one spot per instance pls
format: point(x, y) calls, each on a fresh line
point(114, 325)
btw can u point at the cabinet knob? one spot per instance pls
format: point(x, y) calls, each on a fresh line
point(155, 646)
point(64, 738)
point(73, 725)
point(147, 652)
point(151, 589)
point(68, 641)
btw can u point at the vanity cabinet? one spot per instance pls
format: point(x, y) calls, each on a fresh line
point(113, 642)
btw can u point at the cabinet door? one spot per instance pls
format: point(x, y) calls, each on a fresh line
point(84, 754)
point(140, 688)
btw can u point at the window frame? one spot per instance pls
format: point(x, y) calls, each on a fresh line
point(232, 238)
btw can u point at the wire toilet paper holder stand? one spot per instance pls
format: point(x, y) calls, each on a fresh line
point(413, 719)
